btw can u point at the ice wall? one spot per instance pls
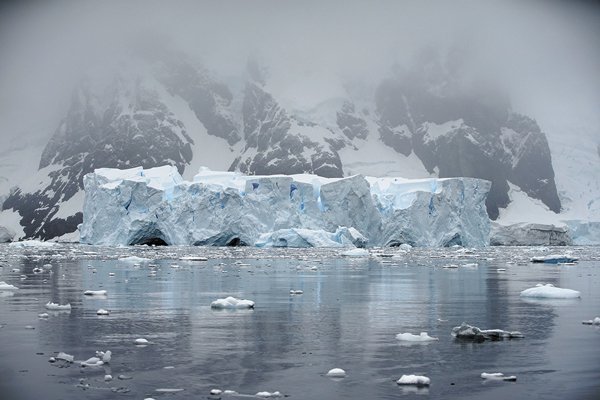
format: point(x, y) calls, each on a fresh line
point(137, 206)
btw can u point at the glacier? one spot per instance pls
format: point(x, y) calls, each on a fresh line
point(157, 206)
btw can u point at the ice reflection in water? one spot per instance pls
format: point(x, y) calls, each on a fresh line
point(348, 316)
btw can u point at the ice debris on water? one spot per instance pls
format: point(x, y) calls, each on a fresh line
point(65, 357)
point(108, 378)
point(7, 286)
point(355, 253)
point(498, 376)
point(292, 291)
point(267, 395)
point(415, 380)
point(141, 341)
point(232, 303)
point(55, 306)
point(554, 259)
point(468, 332)
point(95, 293)
point(595, 321)
point(43, 315)
point(549, 291)
point(102, 311)
point(336, 373)
point(409, 337)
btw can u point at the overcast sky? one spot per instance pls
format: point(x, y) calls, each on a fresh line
point(546, 53)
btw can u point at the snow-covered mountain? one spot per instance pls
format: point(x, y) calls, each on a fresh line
point(165, 109)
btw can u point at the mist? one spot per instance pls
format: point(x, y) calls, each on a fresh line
point(543, 53)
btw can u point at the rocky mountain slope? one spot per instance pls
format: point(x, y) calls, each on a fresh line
point(169, 110)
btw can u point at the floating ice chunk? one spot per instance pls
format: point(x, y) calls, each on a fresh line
point(104, 355)
point(468, 332)
point(355, 253)
point(450, 266)
point(229, 392)
point(498, 376)
point(193, 258)
point(32, 243)
point(549, 291)
point(141, 341)
point(416, 380)
point(554, 259)
point(231, 303)
point(296, 291)
point(102, 311)
point(595, 321)
point(95, 293)
point(43, 315)
point(267, 395)
point(56, 306)
point(336, 373)
point(168, 390)
point(108, 378)
point(471, 265)
point(7, 286)
point(215, 392)
point(133, 259)
point(92, 362)
point(409, 337)
point(65, 357)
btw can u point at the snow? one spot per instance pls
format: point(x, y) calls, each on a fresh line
point(130, 206)
point(232, 303)
point(336, 373)
point(416, 380)
point(409, 337)
point(549, 291)
point(434, 131)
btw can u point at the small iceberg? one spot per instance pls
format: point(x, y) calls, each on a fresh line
point(549, 291)
point(95, 293)
point(133, 259)
point(414, 380)
point(7, 286)
point(473, 333)
point(55, 306)
point(102, 311)
point(141, 341)
point(231, 303)
point(409, 337)
point(193, 258)
point(595, 321)
point(267, 395)
point(296, 291)
point(336, 373)
point(65, 357)
point(105, 356)
point(554, 259)
point(498, 376)
point(92, 362)
point(355, 253)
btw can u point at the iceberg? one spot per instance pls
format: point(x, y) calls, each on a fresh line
point(336, 373)
point(7, 286)
point(473, 333)
point(55, 306)
point(416, 380)
point(554, 259)
point(156, 206)
point(498, 376)
point(409, 337)
point(232, 303)
point(549, 291)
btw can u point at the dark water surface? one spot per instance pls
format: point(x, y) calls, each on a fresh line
point(348, 317)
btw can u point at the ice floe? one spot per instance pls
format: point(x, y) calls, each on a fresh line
point(554, 259)
point(336, 373)
point(409, 337)
point(232, 303)
point(468, 332)
point(267, 395)
point(65, 357)
point(95, 292)
point(414, 380)
point(7, 286)
point(56, 306)
point(595, 321)
point(549, 291)
point(498, 376)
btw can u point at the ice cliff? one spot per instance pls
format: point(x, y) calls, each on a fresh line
point(145, 206)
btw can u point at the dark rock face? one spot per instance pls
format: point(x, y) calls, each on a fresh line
point(351, 124)
point(470, 133)
point(279, 144)
point(125, 127)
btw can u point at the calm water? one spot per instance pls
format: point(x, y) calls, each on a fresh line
point(348, 317)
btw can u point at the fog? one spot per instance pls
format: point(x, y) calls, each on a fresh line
point(543, 53)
